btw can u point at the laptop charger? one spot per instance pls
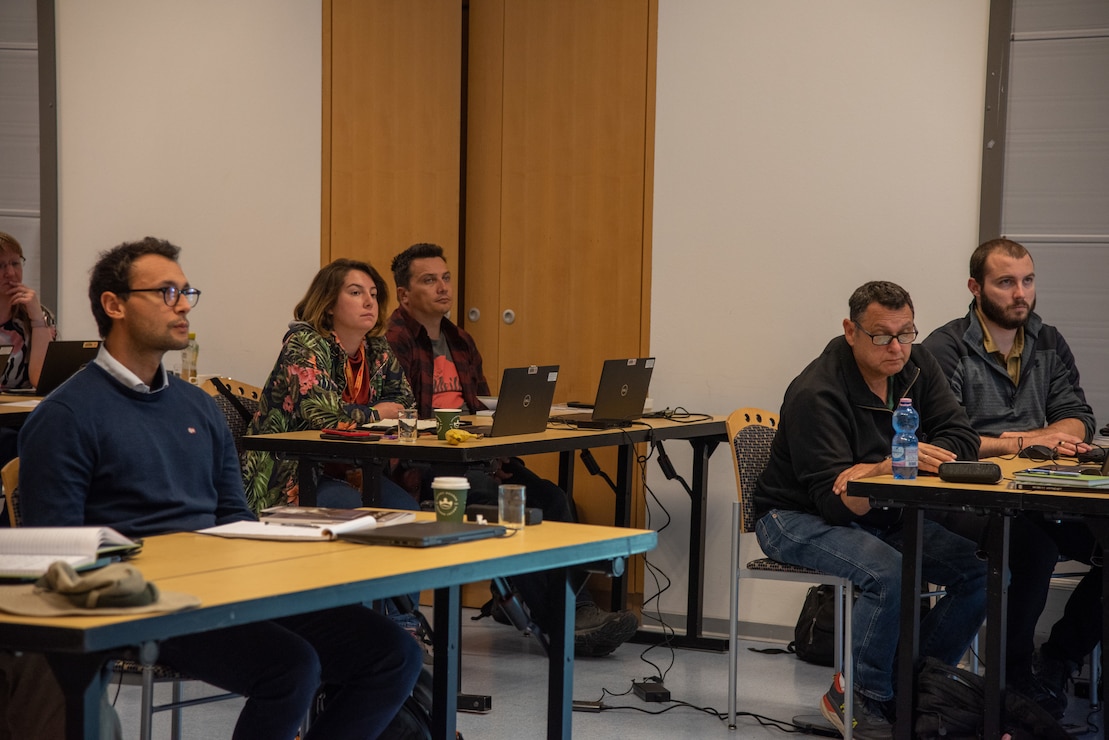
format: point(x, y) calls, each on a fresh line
point(651, 690)
point(531, 516)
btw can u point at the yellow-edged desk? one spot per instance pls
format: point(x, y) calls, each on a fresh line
point(1000, 503)
point(703, 436)
point(15, 407)
point(243, 581)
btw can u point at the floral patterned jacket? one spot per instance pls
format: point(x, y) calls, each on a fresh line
point(305, 391)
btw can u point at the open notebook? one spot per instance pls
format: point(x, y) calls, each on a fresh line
point(310, 523)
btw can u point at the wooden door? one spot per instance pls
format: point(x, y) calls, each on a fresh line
point(557, 184)
point(558, 187)
point(392, 112)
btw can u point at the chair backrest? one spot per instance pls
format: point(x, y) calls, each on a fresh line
point(10, 477)
point(239, 403)
point(751, 432)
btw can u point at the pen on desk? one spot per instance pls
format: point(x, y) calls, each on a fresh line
point(292, 524)
point(1074, 474)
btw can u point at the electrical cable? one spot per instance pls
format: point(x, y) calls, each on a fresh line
point(653, 506)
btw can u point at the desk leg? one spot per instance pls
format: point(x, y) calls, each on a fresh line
point(445, 641)
point(997, 607)
point(909, 648)
point(625, 458)
point(372, 473)
point(306, 482)
point(695, 596)
point(82, 679)
point(560, 677)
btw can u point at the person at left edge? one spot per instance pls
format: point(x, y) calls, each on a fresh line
point(27, 326)
point(124, 444)
point(335, 369)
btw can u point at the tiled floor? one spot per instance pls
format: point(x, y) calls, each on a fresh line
point(500, 662)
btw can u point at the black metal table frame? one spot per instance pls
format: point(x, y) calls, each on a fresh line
point(1000, 504)
point(703, 437)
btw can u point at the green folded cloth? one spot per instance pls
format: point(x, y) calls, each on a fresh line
point(111, 587)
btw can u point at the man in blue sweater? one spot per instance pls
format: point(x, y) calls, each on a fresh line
point(123, 444)
point(1017, 378)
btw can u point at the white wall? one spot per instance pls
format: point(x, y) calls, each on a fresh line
point(197, 122)
point(802, 148)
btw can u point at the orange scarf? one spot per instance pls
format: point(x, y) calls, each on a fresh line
point(357, 371)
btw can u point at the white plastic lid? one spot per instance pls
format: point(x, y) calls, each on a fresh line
point(451, 483)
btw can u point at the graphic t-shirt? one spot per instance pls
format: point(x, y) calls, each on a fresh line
point(447, 391)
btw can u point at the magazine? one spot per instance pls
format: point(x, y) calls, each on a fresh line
point(308, 523)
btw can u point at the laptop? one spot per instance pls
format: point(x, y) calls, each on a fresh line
point(524, 403)
point(64, 359)
point(424, 534)
point(621, 394)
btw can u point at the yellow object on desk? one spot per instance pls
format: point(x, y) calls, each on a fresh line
point(458, 436)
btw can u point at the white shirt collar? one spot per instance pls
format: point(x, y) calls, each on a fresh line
point(115, 368)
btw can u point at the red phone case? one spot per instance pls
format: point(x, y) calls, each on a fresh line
point(361, 434)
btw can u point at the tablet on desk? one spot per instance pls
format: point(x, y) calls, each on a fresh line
point(425, 534)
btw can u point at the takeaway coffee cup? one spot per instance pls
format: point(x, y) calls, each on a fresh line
point(450, 498)
point(446, 419)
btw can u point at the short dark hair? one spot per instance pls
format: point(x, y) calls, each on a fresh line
point(323, 292)
point(985, 249)
point(112, 273)
point(402, 263)
point(884, 293)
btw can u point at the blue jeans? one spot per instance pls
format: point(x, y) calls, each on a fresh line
point(279, 664)
point(872, 561)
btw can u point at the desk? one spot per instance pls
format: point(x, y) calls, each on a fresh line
point(1001, 503)
point(703, 436)
point(242, 581)
point(15, 408)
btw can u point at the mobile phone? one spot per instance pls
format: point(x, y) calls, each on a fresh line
point(360, 434)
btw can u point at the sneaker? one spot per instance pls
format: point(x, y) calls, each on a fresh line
point(598, 633)
point(1033, 687)
point(868, 720)
point(1057, 676)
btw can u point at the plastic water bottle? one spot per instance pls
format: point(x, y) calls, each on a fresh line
point(189, 357)
point(904, 448)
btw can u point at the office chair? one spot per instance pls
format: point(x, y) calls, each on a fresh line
point(239, 403)
point(751, 432)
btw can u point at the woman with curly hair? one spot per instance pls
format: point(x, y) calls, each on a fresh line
point(335, 370)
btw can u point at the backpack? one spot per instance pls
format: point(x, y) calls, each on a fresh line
point(951, 703)
point(814, 637)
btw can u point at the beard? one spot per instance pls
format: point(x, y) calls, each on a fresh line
point(996, 313)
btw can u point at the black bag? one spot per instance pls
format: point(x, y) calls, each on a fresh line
point(413, 721)
point(951, 702)
point(814, 637)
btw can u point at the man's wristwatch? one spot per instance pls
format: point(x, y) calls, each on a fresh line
point(375, 415)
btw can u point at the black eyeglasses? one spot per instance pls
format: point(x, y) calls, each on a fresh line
point(883, 339)
point(170, 294)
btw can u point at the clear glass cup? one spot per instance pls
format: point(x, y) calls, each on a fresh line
point(511, 501)
point(408, 425)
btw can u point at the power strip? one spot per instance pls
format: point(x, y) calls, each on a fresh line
point(651, 690)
